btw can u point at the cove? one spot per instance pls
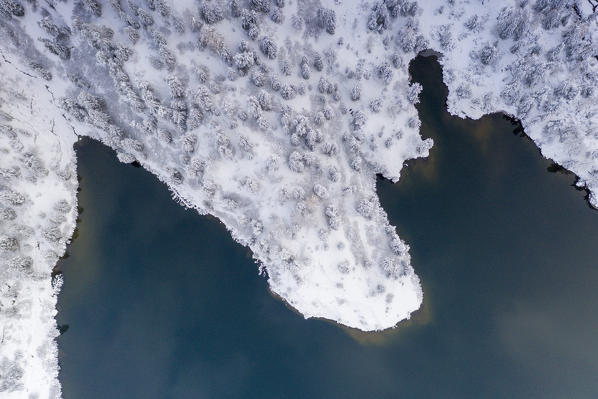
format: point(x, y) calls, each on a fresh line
point(161, 303)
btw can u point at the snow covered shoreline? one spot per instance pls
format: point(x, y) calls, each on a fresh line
point(273, 116)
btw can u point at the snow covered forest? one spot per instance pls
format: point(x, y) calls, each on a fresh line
point(275, 116)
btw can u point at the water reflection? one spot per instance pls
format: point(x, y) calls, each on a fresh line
point(160, 303)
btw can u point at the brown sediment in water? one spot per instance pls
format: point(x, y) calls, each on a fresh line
point(421, 169)
point(419, 318)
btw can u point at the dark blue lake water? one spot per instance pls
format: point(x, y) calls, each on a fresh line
point(161, 303)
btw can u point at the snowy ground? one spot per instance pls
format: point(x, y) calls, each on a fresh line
point(274, 117)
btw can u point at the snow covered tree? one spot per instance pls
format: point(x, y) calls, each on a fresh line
point(12, 7)
point(554, 13)
point(41, 70)
point(444, 36)
point(375, 105)
point(258, 78)
point(189, 142)
point(296, 162)
point(176, 86)
point(356, 92)
point(249, 22)
point(379, 18)
point(488, 54)
point(211, 14)
point(511, 23)
point(366, 207)
point(474, 24)
point(288, 92)
point(94, 6)
point(262, 6)
point(305, 69)
point(332, 216)
point(413, 91)
point(59, 49)
point(403, 8)
point(318, 63)
point(235, 8)
point(327, 19)
point(277, 16)
point(268, 47)
point(8, 244)
point(320, 191)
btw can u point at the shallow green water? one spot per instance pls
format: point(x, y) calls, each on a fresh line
point(160, 303)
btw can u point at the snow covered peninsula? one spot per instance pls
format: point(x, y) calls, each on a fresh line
point(275, 116)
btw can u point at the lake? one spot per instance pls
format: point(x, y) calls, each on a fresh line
point(159, 302)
